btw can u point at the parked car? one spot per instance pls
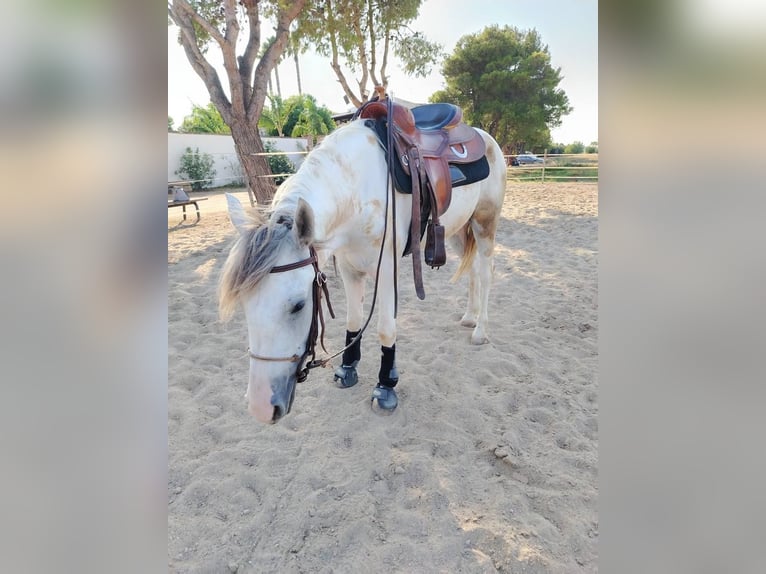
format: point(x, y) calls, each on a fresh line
point(528, 158)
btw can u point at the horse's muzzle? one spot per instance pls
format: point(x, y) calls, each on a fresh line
point(269, 403)
point(282, 402)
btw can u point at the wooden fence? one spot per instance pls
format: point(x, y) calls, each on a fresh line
point(554, 168)
point(581, 167)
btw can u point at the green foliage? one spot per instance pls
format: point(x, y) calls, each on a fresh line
point(213, 12)
point(312, 120)
point(504, 81)
point(278, 163)
point(576, 147)
point(197, 167)
point(300, 115)
point(170, 124)
point(417, 54)
point(274, 116)
point(205, 120)
point(556, 148)
point(362, 35)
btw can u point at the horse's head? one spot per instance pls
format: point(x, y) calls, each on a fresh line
point(269, 272)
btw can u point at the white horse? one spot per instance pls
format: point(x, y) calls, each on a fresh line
point(336, 205)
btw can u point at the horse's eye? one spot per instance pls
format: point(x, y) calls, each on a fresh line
point(297, 307)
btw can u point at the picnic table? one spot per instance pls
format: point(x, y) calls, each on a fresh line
point(184, 202)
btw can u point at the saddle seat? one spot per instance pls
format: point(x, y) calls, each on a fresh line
point(436, 116)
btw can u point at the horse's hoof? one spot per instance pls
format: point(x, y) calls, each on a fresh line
point(478, 337)
point(479, 340)
point(384, 399)
point(346, 375)
point(468, 321)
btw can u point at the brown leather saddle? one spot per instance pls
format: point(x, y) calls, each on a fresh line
point(426, 140)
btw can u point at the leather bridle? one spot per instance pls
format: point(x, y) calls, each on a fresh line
point(317, 317)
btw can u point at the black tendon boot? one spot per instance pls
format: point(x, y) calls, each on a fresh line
point(384, 393)
point(346, 375)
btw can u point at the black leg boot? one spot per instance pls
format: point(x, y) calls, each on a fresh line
point(388, 376)
point(346, 375)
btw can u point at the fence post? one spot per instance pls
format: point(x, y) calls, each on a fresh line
point(545, 160)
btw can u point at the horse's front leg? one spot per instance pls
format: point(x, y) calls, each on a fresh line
point(384, 395)
point(353, 281)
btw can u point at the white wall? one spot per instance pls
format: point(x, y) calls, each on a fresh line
point(221, 147)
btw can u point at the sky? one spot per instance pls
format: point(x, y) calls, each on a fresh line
point(568, 27)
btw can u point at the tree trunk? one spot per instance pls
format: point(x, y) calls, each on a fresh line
point(276, 77)
point(247, 142)
point(298, 73)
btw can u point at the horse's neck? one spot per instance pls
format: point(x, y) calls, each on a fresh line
point(336, 198)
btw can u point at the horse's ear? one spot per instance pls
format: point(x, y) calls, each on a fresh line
point(304, 222)
point(237, 213)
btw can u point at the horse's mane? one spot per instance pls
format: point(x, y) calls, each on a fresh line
point(252, 257)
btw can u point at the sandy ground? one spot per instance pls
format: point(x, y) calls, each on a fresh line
point(488, 465)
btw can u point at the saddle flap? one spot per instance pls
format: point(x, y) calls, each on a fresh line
point(461, 144)
point(438, 177)
point(466, 151)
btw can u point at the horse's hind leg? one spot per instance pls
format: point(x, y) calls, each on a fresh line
point(353, 281)
point(465, 245)
point(483, 226)
point(473, 307)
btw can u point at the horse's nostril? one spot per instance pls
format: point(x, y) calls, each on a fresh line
point(277, 414)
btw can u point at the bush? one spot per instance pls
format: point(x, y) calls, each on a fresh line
point(278, 163)
point(237, 178)
point(197, 167)
point(575, 147)
point(557, 149)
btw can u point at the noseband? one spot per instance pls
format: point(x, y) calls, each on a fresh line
point(317, 318)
